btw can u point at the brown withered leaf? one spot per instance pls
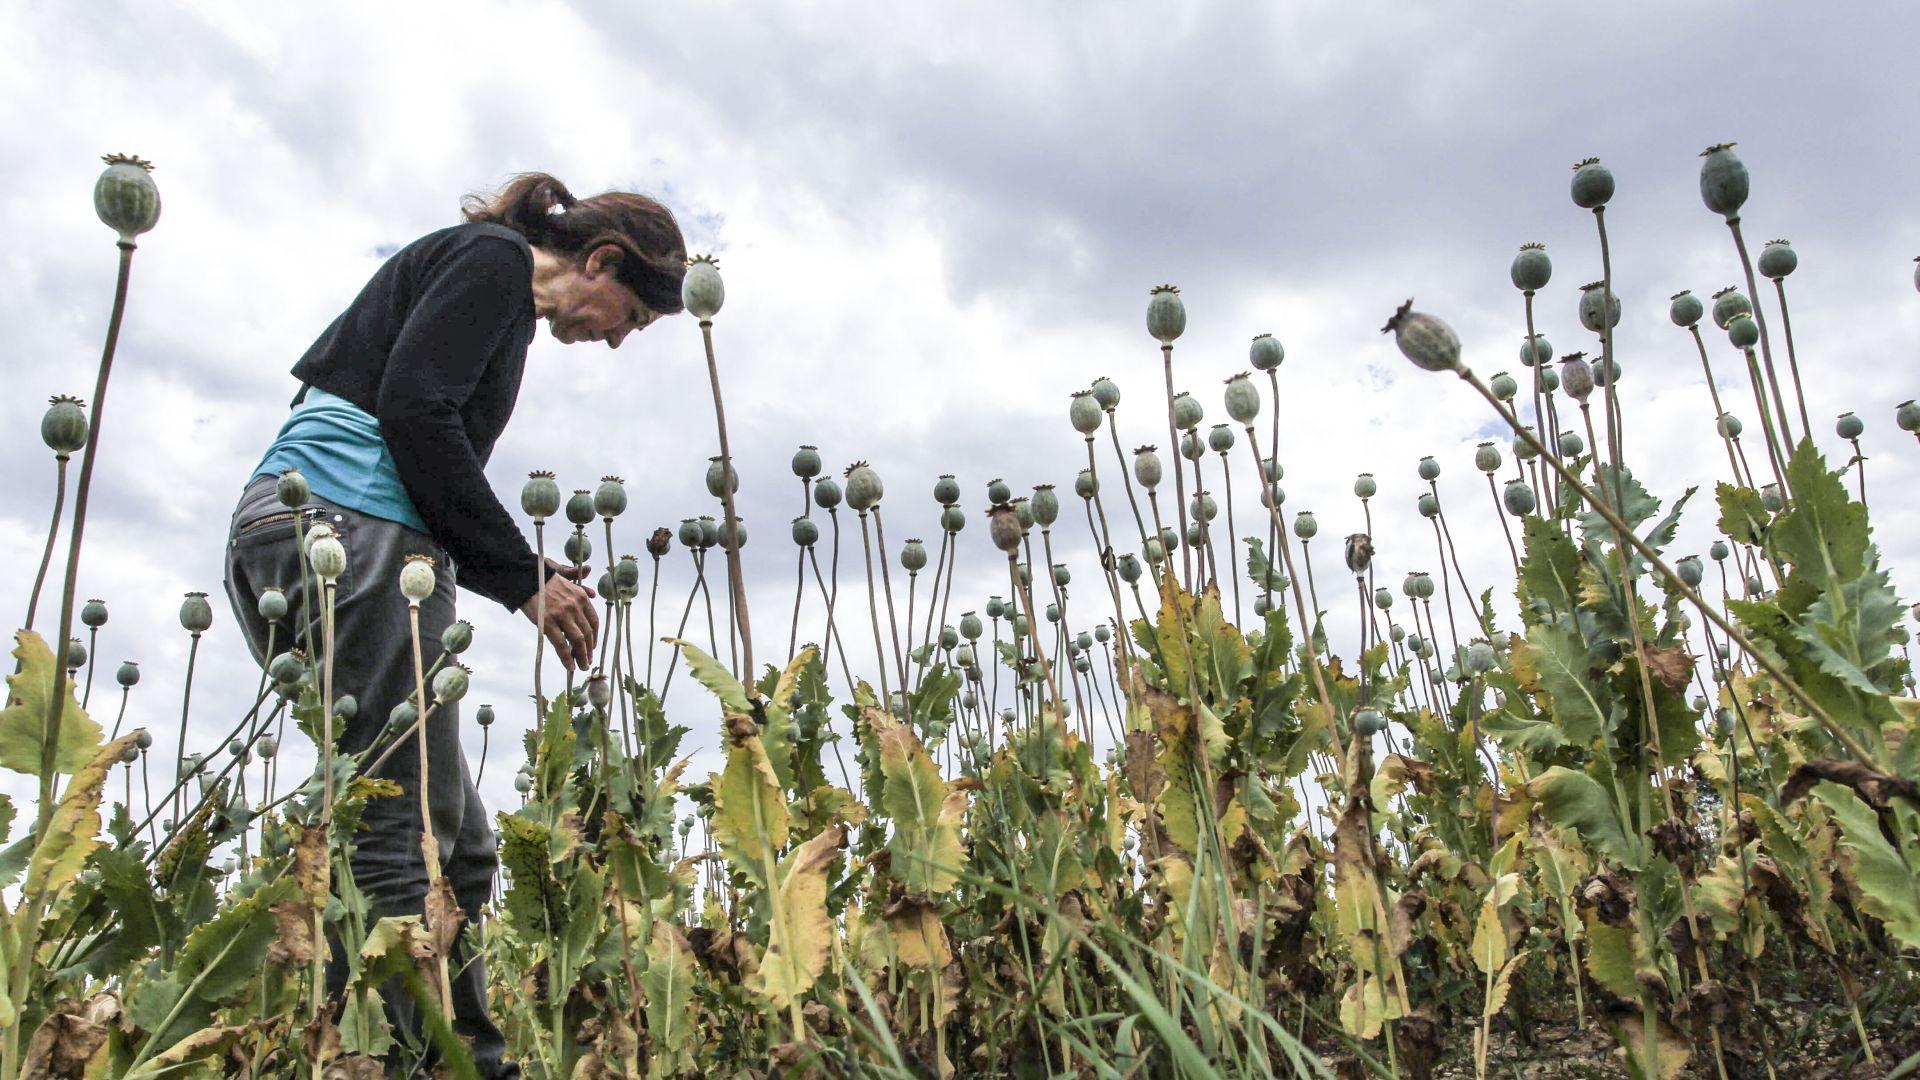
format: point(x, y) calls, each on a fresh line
point(1145, 777)
point(444, 917)
point(61, 1046)
point(354, 1067)
point(1668, 663)
point(1876, 788)
point(1401, 919)
point(292, 948)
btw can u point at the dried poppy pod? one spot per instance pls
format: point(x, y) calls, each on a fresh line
point(1220, 439)
point(1777, 259)
point(1503, 386)
point(1429, 343)
point(1849, 426)
point(721, 479)
point(64, 426)
point(1166, 314)
point(1535, 351)
point(1592, 184)
point(457, 637)
point(1729, 304)
point(1003, 527)
point(1486, 457)
point(1045, 505)
point(450, 684)
point(1723, 181)
point(540, 495)
point(125, 197)
point(659, 541)
point(1243, 399)
point(1518, 498)
point(1685, 309)
point(196, 615)
point(1576, 376)
point(1364, 486)
point(610, 498)
point(416, 577)
point(1084, 413)
point(1146, 467)
point(701, 290)
point(913, 556)
point(1594, 295)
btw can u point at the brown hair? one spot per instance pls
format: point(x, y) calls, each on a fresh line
point(540, 208)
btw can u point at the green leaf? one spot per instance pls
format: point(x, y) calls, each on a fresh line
point(1743, 517)
point(30, 698)
point(1580, 702)
point(1823, 533)
point(1851, 629)
point(1631, 502)
point(1552, 569)
point(73, 832)
point(1260, 570)
point(777, 736)
point(669, 986)
point(1887, 884)
point(1610, 958)
point(1576, 801)
point(709, 673)
point(800, 935)
point(926, 812)
point(750, 815)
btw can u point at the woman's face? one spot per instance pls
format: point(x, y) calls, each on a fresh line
point(588, 303)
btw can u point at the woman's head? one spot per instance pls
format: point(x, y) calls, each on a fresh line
point(607, 251)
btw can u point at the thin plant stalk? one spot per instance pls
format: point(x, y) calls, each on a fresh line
point(1179, 473)
point(429, 844)
point(1766, 343)
point(736, 586)
point(886, 583)
point(1506, 529)
point(873, 616)
point(53, 529)
point(1233, 539)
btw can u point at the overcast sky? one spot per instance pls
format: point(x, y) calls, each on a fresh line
point(935, 223)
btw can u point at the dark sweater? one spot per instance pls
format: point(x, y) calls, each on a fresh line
point(434, 348)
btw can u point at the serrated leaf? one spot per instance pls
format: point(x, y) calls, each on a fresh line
point(1823, 534)
point(1576, 801)
point(1850, 630)
point(714, 675)
point(23, 723)
point(778, 733)
point(1622, 493)
point(1888, 889)
point(926, 811)
point(669, 987)
point(1610, 958)
point(799, 932)
point(1552, 568)
point(1578, 701)
point(73, 831)
point(1743, 517)
point(750, 814)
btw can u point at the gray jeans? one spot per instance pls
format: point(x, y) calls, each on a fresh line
point(373, 661)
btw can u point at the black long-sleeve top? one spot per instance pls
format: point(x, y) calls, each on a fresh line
point(434, 347)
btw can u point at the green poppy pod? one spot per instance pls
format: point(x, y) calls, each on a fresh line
point(143, 739)
point(1571, 444)
point(1084, 413)
point(1146, 467)
point(701, 290)
point(1271, 469)
point(1723, 180)
point(1203, 506)
point(952, 518)
point(1020, 625)
point(522, 783)
point(1061, 575)
point(1522, 449)
point(1592, 296)
point(689, 532)
point(402, 716)
point(346, 707)
point(1899, 635)
point(826, 493)
point(1417, 645)
point(1755, 585)
point(1242, 399)
point(1719, 551)
point(1003, 527)
point(1168, 538)
point(963, 656)
point(1770, 498)
point(1082, 665)
point(913, 556)
point(863, 487)
point(1261, 605)
point(1549, 378)
point(417, 579)
point(1397, 633)
point(94, 613)
point(1304, 525)
point(577, 548)
point(1266, 353)
point(1191, 447)
point(1486, 457)
point(76, 654)
point(64, 425)
point(1026, 574)
point(949, 637)
point(1429, 505)
point(1052, 613)
point(1220, 439)
point(1429, 468)
point(196, 615)
point(1086, 485)
point(610, 498)
point(1023, 513)
point(1480, 658)
point(1519, 498)
point(626, 575)
point(1503, 385)
point(604, 584)
point(1045, 505)
point(128, 674)
point(1592, 184)
point(1430, 343)
point(1383, 598)
point(1907, 416)
point(1423, 585)
point(805, 532)
point(292, 489)
point(1690, 571)
point(125, 198)
point(458, 636)
point(946, 490)
point(1107, 393)
point(1364, 486)
point(1129, 568)
point(1166, 314)
point(806, 462)
point(1576, 376)
point(998, 491)
point(1531, 268)
point(1728, 425)
point(1196, 534)
point(1187, 412)
point(1777, 259)
point(1102, 634)
point(1007, 716)
point(996, 607)
point(540, 495)
point(1535, 351)
point(450, 684)
point(1849, 426)
point(1153, 551)
point(1729, 304)
point(579, 507)
point(1743, 332)
point(709, 531)
point(484, 716)
point(1606, 372)
point(718, 473)
point(1273, 496)
point(1685, 309)
point(1083, 640)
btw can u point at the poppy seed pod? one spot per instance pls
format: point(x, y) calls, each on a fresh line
point(580, 507)
point(970, 627)
point(1202, 506)
point(1429, 468)
point(1271, 469)
point(1486, 457)
point(826, 494)
point(1723, 181)
point(1503, 386)
point(1358, 553)
point(416, 577)
point(1423, 339)
point(577, 548)
point(1535, 351)
point(913, 556)
point(1907, 416)
point(1417, 645)
point(1273, 496)
point(1084, 413)
point(805, 532)
point(1522, 449)
point(292, 489)
point(94, 613)
point(1305, 526)
point(610, 498)
point(1576, 376)
point(346, 707)
point(1153, 551)
point(1690, 570)
point(1023, 513)
point(806, 462)
point(522, 783)
point(450, 684)
point(1592, 184)
point(1719, 551)
point(963, 656)
point(128, 674)
point(484, 716)
point(719, 472)
point(996, 607)
point(1383, 598)
point(1045, 505)
point(1728, 425)
point(1266, 353)
point(701, 290)
point(1146, 467)
point(286, 668)
point(76, 654)
point(1020, 625)
point(1423, 585)
point(599, 690)
point(946, 490)
point(1518, 498)
point(626, 575)
point(64, 426)
point(1777, 259)
point(1166, 314)
point(1243, 399)
point(690, 532)
point(1571, 444)
point(1429, 506)
point(1052, 614)
point(998, 491)
point(604, 586)
point(863, 487)
point(1026, 574)
point(732, 537)
point(1128, 566)
point(1755, 585)
point(1107, 393)
point(402, 716)
point(1191, 447)
point(1187, 412)
point(1003, 527)
point(1729, 304)
point(949, 637)
point(1220, 438)
point(1480, 658)
point(1549, 378)
point(457, 637)
point(1770, 498)
point(1086, 484)
point(952, 518)
point(1531, 269)
point(125, 197)
point(1261, 606)
point(1364, 486)
point(1592, 295)
point(1849, 426)
point(1743, 331)
point(1368, 722)
point(540, 495)
point(659, 541)
point(1685, 309)
point(196, 615)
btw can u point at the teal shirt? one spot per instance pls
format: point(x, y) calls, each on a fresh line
point(337, 446)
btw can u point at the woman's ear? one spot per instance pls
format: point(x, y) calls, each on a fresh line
point(605, 259)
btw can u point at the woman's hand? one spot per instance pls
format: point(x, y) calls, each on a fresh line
point(572, 625)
